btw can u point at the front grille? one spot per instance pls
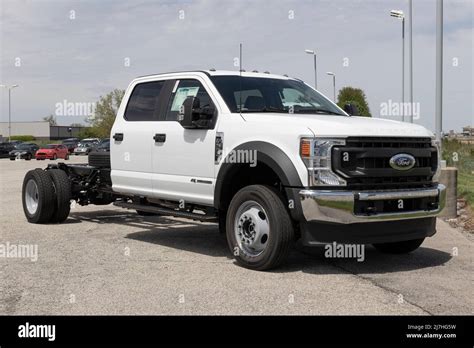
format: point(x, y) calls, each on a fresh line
point(393, 205)
point(364, 162)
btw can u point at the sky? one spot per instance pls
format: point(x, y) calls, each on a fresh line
point(76, 51)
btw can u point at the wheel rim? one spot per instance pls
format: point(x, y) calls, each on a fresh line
point(251, 228)
point(31, 196)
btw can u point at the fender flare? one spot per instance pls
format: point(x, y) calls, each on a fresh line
point(270, 155)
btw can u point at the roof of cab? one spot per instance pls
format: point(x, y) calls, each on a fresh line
point(222, 73)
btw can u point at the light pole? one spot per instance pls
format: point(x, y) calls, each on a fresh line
point(313, 52)
point(439, 70)
point(9, 110)
point(333, 83)
point(410, 56)
point(400, 15)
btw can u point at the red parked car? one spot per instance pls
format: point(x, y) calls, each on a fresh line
point(52, 151)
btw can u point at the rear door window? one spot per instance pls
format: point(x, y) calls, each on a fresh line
point(143, 104)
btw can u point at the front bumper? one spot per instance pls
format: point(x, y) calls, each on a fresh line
point(23, 155)
point(44, 156)
point(343, 206)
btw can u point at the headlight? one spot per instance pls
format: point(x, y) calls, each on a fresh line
point(437, 144)
point(316, 154)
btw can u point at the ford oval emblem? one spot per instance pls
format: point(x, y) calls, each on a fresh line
point(402, 161)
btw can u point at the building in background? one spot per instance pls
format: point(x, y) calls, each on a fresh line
point(468, 131)
point(41, 130)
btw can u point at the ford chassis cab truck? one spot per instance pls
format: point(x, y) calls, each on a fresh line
point(267, 157)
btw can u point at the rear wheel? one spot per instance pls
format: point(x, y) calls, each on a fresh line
point(258, 228)
point(38, 196)
point(404, 247)
point(28, 157)
point(62, 190)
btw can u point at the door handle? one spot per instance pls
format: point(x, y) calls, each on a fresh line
point(159, 138)
point(118, 136)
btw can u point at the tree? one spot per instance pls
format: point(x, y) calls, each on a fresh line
point(354, 96)
point(104, 114)
point(51, 119)
point(88, 132)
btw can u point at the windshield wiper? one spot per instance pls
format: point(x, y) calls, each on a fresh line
point(267, 109)
point(319, 111)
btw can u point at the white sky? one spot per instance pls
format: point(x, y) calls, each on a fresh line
point(80, 59)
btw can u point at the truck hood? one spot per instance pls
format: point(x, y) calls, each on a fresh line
point(339, 126)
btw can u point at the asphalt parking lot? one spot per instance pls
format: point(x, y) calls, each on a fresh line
point(106, 260)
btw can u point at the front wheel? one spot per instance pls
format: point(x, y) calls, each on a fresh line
point(404, 247)
point(258, 228)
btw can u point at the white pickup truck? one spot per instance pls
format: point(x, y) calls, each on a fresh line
point(267, 157)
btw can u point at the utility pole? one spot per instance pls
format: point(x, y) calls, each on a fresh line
point(400, 15)
point(313, 52)
point(9, 109)
point(410, 64)
point(439, 69)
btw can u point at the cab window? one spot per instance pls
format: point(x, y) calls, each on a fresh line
point(143, 103)
point(183, 89)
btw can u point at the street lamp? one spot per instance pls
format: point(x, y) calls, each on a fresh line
point(313, 52)
point(9, 110)
point(333, 83)
point(400, 15)
point(439, 70)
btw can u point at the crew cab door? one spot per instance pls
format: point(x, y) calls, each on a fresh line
point(183, 159)
point(131, 139)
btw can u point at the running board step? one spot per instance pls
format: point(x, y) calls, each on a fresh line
point(166, 211)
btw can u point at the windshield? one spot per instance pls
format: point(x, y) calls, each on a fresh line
point(49, 146)
point(272, 95)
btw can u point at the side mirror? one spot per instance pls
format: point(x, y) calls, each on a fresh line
point(191, 115)
point(351, 109)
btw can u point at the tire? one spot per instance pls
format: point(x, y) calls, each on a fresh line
point(38, 188)
point(62, 193)
point(28, 157)
point(146, 213)
point(54, 158)
point(12, 159)
point(404, 247)
point(99, 159)
point(258, 228)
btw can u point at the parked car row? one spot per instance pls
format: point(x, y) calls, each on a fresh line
point(26, 150)
point(85, 146)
